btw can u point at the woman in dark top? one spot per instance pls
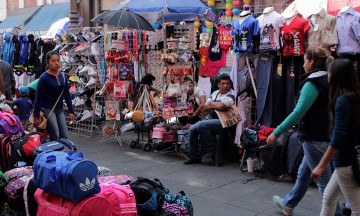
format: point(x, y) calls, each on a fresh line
point(50, 85)
point(344, 98)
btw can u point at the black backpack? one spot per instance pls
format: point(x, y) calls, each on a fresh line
point(149, 196)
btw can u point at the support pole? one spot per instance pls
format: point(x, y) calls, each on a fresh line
point(73, 15)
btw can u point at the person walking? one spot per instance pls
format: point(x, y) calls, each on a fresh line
point(52, 86)
point(344, 96)
point(311, 114)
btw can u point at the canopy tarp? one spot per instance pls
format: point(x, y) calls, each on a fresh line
point(173, 10)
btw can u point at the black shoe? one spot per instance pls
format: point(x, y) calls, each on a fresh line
point(192, 161)
point(92, 60)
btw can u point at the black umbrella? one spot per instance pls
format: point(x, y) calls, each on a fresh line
point(124, 18)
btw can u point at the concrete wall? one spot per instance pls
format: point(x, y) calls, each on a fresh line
point(88, 9)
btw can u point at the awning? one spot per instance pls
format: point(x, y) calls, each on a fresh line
point(45, 17)
point(17, 18)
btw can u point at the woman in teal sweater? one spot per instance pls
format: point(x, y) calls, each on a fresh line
point(312, 116)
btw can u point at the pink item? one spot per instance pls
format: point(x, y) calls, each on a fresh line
point(158, 132)
point(118, 179)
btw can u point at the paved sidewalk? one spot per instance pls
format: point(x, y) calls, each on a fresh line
point(214, 191)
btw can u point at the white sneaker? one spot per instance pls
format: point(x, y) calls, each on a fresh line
point(87, 114)
point(92, 71)
point(84, 70)
point(80, 103)
point(95, 49)
point(92, 83)
point(76, 99)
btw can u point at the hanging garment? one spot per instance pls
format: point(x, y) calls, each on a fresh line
point(225, 39)
point(24, 52)
point(348, 30)
point(243, 34)
point(239, 74)
point(32, 60)
point(204, 84)
point(7, 50)
point(16, 42)
point(270, 24)
point(293, 36)
point(244, 105)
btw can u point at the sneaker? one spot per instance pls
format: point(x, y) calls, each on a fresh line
point(280, 203)
point(192, 161)
point(76, 99)
point(95, 49)
point(84, 70)
point(72, 89)
point(102, 91)
point(86, 115)
point(92, 83)
point(92, 60)
point(79, 103)
point(88, 92)
point(88, 104)
point(98, 37)
point(92, 71)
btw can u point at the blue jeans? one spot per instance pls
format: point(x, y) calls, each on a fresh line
point(56, 125)
point(313, 151)
point(205, 129)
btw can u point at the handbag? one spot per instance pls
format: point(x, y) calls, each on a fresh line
point(42, 117)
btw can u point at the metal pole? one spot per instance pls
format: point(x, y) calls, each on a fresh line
point(73, 15)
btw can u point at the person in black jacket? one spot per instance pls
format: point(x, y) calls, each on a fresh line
point(312, 116)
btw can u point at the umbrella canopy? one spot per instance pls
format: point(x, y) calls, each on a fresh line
point(124, 18)
point(173, 10)
point(60, 27)
point(33, 84)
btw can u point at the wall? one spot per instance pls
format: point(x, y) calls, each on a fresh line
point(3, 9)
point(88, 9)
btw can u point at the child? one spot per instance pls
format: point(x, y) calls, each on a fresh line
point(25, 108)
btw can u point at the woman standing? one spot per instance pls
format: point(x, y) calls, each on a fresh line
point(51, 86)
point(311, 114)
point(344, 98)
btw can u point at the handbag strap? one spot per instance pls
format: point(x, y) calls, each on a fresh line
point(57, 101)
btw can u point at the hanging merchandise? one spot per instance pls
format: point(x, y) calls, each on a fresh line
point(197, 24)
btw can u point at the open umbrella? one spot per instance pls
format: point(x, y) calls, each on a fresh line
point(124, 18)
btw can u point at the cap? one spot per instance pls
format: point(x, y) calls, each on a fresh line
point(24, 90)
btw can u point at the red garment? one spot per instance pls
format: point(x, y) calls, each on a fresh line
point(264, 132)
point(225, 39)
point(293, 36)
point(203, 54)
point(212, 67)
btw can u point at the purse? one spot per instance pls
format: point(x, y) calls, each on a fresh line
point(42, 117)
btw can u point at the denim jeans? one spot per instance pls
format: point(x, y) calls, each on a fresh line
point(313, 152)
point(205, 129)
point(342, 182)
point(56, 125)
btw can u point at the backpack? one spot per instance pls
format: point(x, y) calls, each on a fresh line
point(10, 125)
point(68, 175)
point(121, 197)
point(28, 195)
point(14, 189)
point(181, 200)
point(118, 179)
point(176, 209)
point(149, 195)
point(26, 145)
point(8, 159)
point(54, 146)
point(53, 205)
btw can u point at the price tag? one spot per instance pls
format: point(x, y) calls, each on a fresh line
point(244, 45)
point(316, 27)
point(279, 69)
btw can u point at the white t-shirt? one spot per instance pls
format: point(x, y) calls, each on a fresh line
point(228, 99)
point(204, 84)
point(270, 25)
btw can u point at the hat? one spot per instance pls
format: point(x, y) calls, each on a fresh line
point(24, 90)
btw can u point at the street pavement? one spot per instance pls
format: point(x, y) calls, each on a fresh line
point(214, 191)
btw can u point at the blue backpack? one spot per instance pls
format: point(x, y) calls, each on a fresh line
point(67, 175)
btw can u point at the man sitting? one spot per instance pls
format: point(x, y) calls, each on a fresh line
point(220, 100)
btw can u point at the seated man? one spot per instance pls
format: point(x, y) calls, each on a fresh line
point(220, 100)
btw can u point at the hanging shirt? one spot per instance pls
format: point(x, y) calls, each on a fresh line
point(322, 31)
point(270, 24)
point(348, 29)
point(204, 84)
point(203, 53)
point(293, 36)
point(243, 34)
point(225, 39)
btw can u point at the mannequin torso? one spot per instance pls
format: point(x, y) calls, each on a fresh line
point(268, 10)
point(244, 17)
point(290, 18)
point(343, 10)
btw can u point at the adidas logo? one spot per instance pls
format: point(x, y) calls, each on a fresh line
point(88, 185)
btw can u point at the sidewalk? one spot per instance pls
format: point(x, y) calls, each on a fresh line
point(214, 191)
